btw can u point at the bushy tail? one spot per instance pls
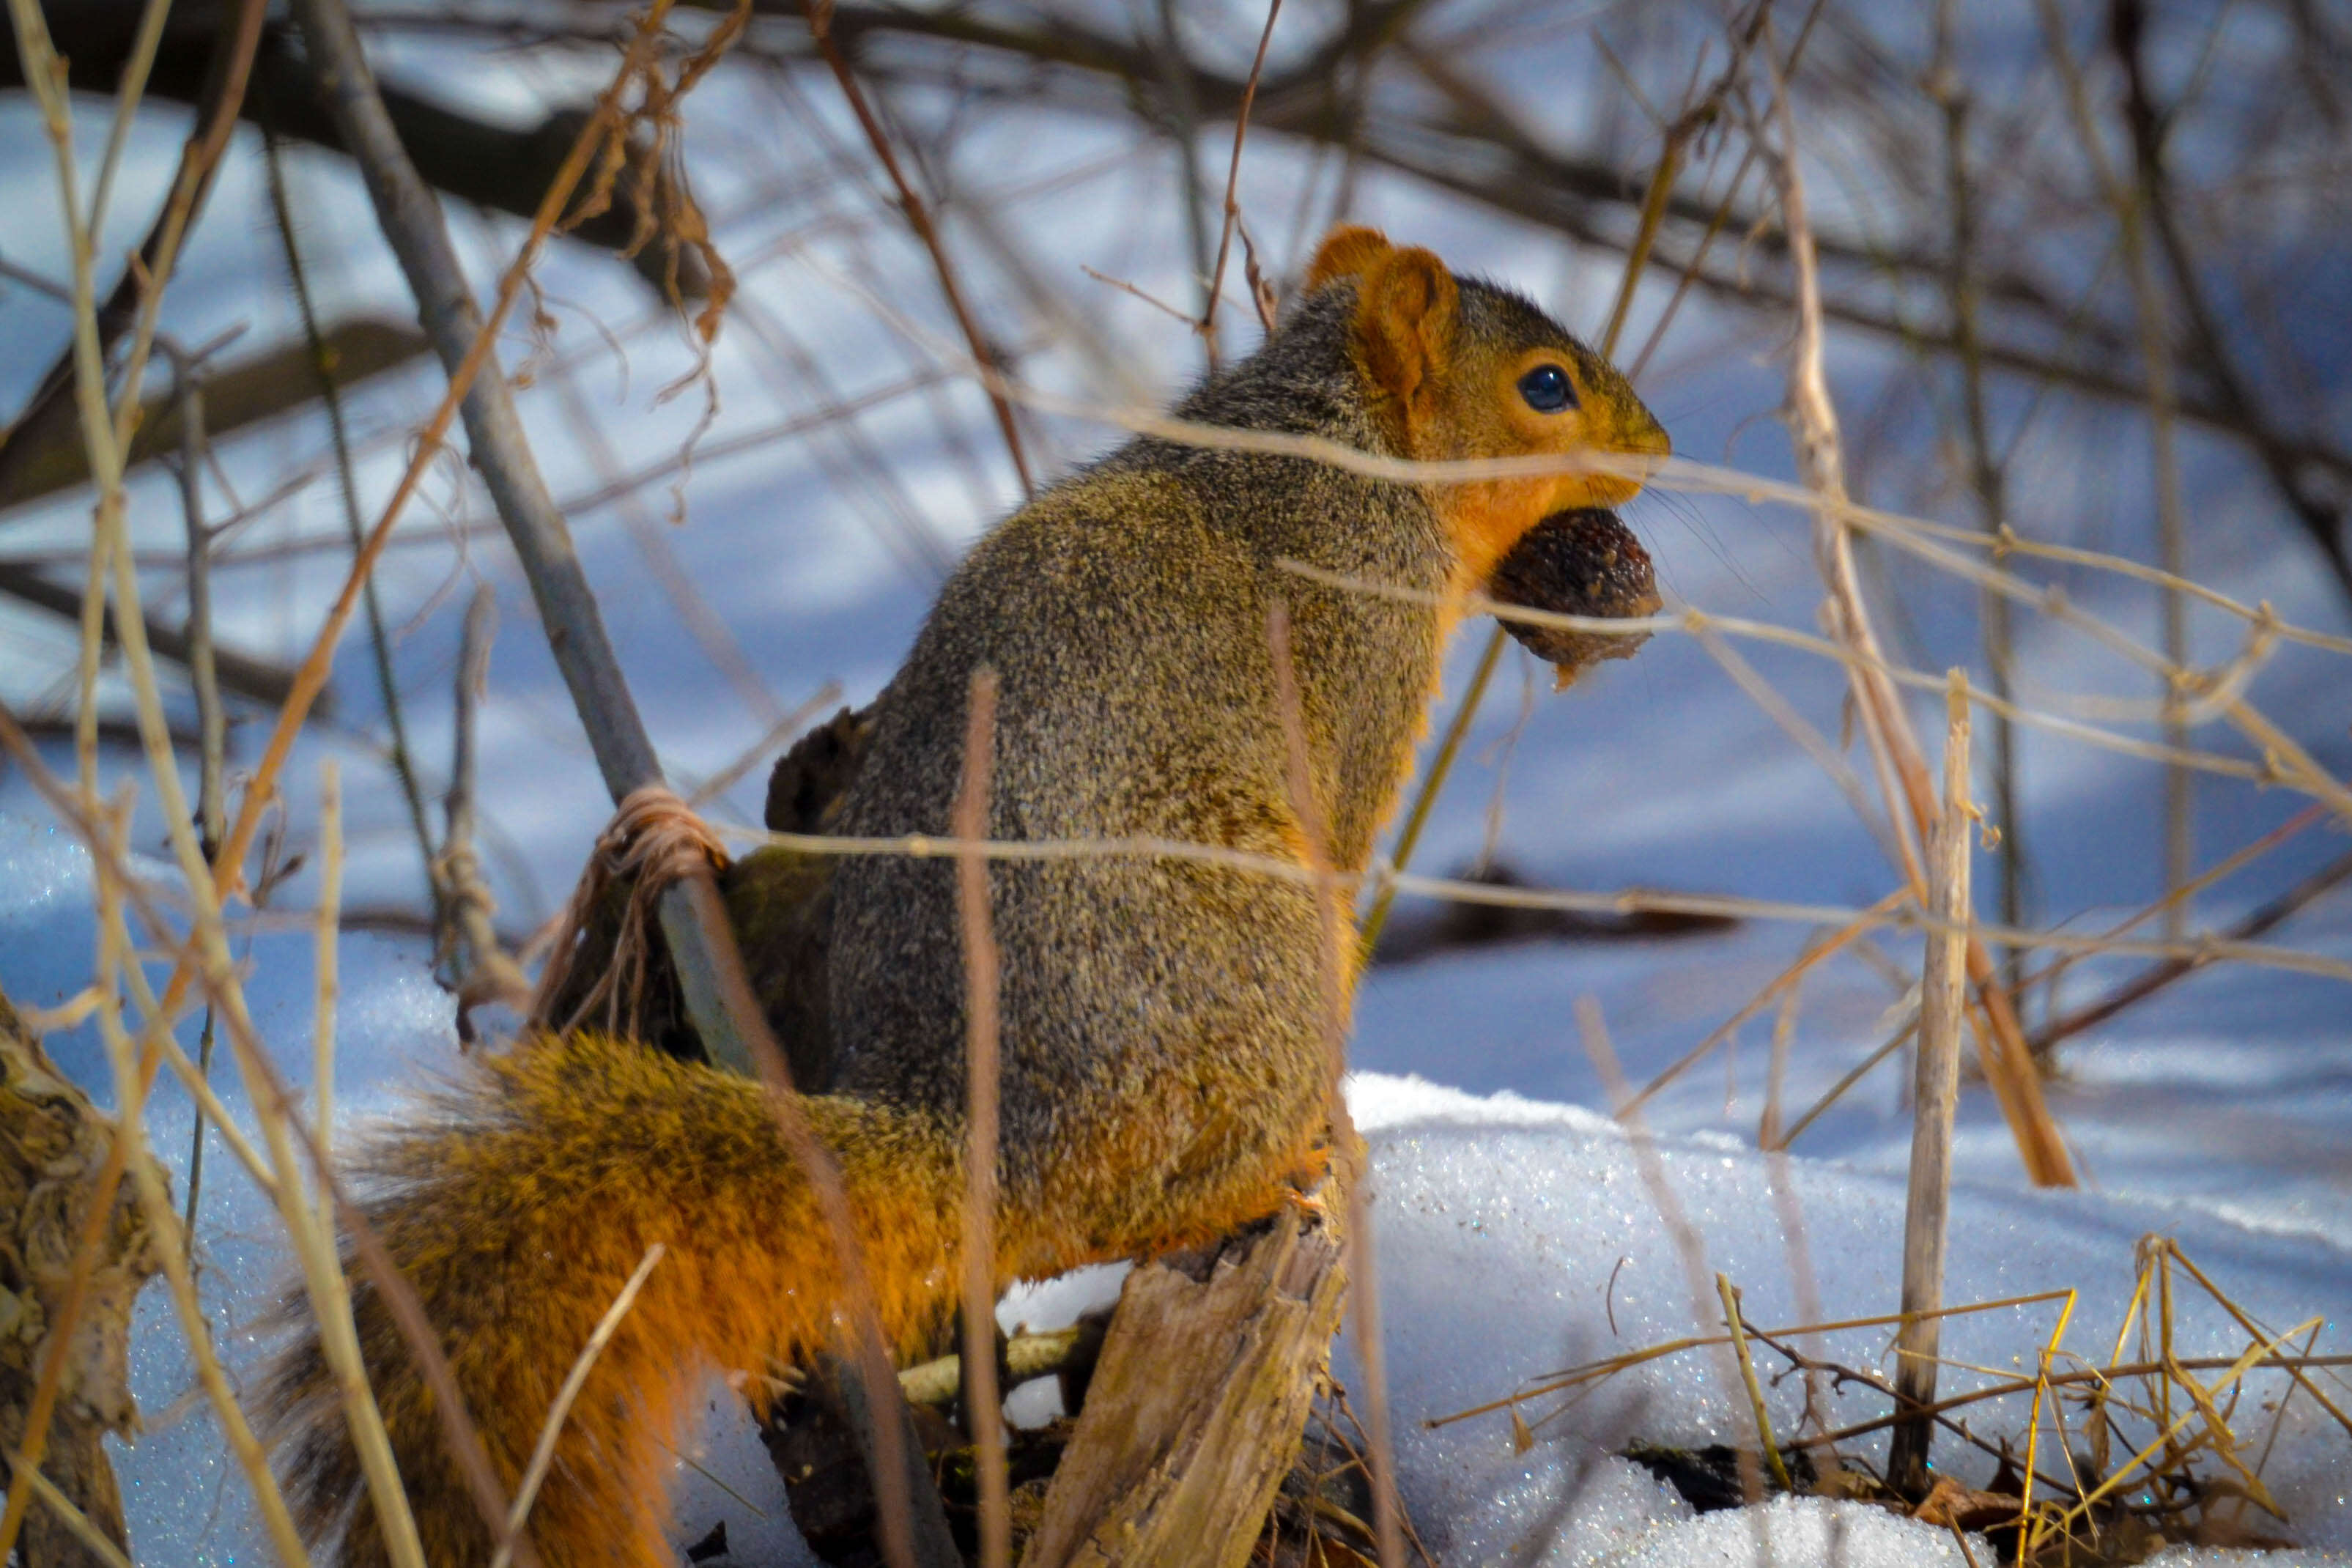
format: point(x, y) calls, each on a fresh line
point(519, 1206)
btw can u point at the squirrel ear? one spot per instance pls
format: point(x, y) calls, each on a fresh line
point(1348, 251)
point(1404, 325)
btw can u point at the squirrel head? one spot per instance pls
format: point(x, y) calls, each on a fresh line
point(1460, 369)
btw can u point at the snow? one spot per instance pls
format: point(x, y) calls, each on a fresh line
point(2221, 1114)
point(1514, 1237)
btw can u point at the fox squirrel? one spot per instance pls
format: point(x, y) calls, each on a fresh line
point(1161, 1022)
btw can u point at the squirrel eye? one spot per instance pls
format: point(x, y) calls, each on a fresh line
point(1547, 389)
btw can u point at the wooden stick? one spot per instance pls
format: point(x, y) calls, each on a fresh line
point(719, 998)
point(919, 219)
point(1895, 916)
point(1943, 999)
point(1207, 325)
point(412, 221)
point(1903, 773)
point(1729, 1293)
point(330, 899)
point(1337, 974)
point(478, 968)
point(176, 1252)
point(984, 1417)
point(1176, 1467)
point(79, 1524)
point(542, 1454)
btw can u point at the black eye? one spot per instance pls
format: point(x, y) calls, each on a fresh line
point(1547, 389)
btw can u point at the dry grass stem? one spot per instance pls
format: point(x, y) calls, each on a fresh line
point(1884, 723)
point(1783, 985)
point(984, 1412)
point(124, 1057)
point(1207, 326)
point(2127, 197)
point(1728, 1294)
point(919, 219)
point(1417, 817)
point(45, 1491)
point(1899, 917)
point(1336, 976)
point(1689, 1246)
point(1942, 1000)
point(326, 948)
point(205, 956)
point(543, 1453)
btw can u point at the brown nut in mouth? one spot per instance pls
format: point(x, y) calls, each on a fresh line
point(1582, 562)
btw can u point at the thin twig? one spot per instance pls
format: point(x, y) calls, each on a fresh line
point(124, 1056)
point(1729, 1294)
point(478, 968)
point(1963, 289)
point(212, 722)
point(2009, 1069)
point(1629, 901)
point(543, 1453)
point(1333, 972)
point(2141, 986)
point(981, 967)
point(1207, 326)
point(397, 752)
point(1794, 1239)
point(74, 1521)
point(918, 217)
point(1943, 998)
point(1784, 983)
point(327, 948)
point(1376, 919)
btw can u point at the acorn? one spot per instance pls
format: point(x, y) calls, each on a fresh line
point(1582, 562)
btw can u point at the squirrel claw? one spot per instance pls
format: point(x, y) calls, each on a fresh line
point(1315, 1204)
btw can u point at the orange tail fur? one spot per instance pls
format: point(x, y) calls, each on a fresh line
point(518, 1212)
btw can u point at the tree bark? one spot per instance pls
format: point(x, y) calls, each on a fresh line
point(1197, 1405)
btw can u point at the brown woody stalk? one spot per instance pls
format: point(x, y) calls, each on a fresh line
point(1903, 773)
point(981, 970)
point(725, 1013)
point(2127, 197)
point(543, 1453)
point(478, 969)
point(1964, 290)
point(691, 918)
point(1335, 973)
point(154, 1199)
point(919, 219)
point(1725, 906)
point(1207, 325)
point(1942, 1000)
point(205, 958)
